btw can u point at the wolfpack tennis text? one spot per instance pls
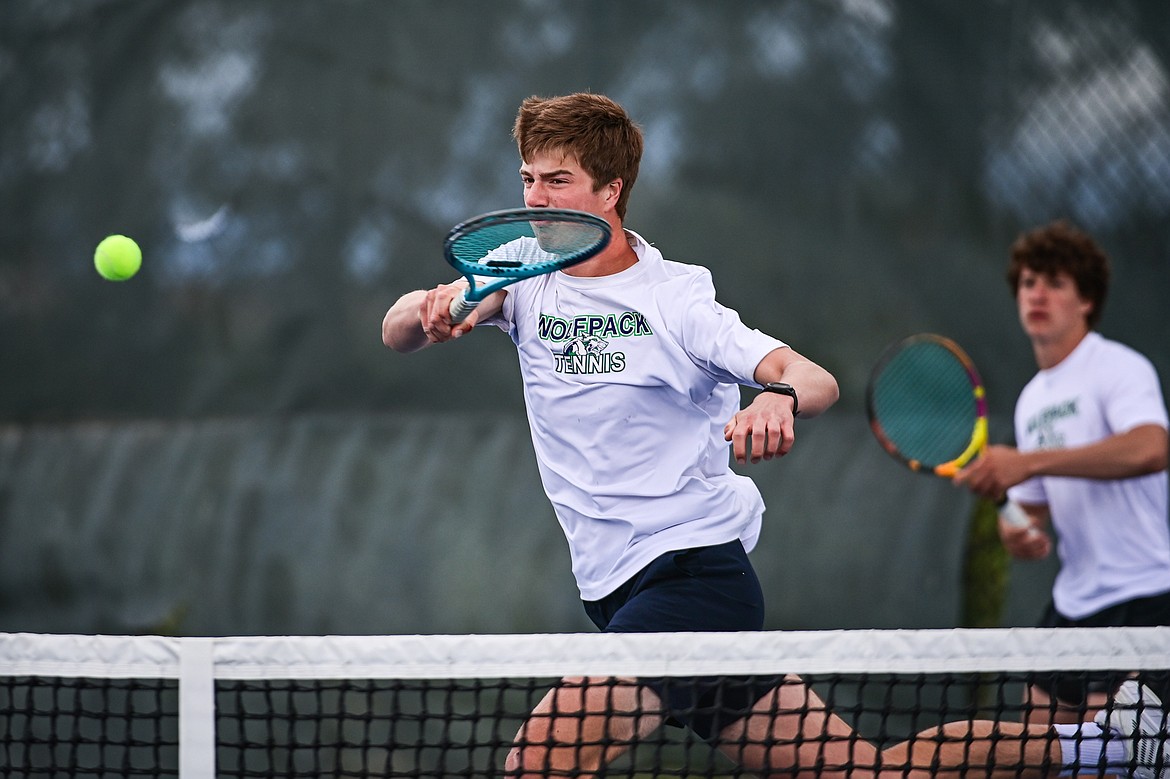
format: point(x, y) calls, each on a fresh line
point(586, 339)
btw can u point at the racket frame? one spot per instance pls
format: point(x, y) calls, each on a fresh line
point(979, 431)
point(484, 279)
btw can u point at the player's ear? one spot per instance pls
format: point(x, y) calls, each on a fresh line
point(1087, 309)
point(613, 191)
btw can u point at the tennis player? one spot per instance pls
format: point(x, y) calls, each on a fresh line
point(1091, 461)
point(632, 372)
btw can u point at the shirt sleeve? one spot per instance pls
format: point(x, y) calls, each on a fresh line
point(717, 340)
point(1132, 395)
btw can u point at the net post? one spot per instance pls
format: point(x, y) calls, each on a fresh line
point(196, 708)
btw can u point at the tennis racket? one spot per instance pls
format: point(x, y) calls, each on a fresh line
point(928, 408)
point(502, 247)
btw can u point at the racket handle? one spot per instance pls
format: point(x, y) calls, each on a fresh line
point(461, 308)
point(1013, 514)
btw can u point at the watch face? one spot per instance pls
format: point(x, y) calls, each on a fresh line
point(784, 389)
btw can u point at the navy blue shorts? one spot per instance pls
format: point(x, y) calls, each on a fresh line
point(1073, 688)
point(706, 589)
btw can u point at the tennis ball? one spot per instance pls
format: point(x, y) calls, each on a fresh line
point(117, 258)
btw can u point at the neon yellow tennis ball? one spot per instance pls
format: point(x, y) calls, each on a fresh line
point(117, 258)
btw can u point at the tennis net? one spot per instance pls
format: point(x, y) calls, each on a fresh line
point(455, 706)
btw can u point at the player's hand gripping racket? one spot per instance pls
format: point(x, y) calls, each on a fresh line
point(538, 241)
point(928, 408)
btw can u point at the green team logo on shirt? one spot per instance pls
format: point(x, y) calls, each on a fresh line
point(587, 338)
point(1043, 425)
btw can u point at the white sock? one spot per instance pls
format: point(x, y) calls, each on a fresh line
point(1083, 746)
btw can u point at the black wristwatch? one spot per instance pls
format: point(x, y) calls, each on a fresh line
point(784, 389)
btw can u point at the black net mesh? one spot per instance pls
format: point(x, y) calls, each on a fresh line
point(456, 723)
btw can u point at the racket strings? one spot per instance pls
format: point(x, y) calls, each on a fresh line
point(925, 402)
point(557, 243)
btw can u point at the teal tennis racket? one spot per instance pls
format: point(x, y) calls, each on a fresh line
point(503, 247)
point(927, 407)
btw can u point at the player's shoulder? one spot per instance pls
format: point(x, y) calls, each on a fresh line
point(661, 271)
point(686, 272)
point(683, 287)
point(672, 278)
point(1111, 354)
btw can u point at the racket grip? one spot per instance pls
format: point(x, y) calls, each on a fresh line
point(1013, 514)
point(461, 308)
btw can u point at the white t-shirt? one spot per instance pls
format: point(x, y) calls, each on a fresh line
point(628, 382)
point(1113, 536)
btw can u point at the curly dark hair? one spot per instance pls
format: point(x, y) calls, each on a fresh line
point(1060, 247)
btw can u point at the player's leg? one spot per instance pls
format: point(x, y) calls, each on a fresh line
point(581, 725)
point(975, 748)
point(701, 589)
point(1130, 738)
point(788, 726)
point(570, 727)
point(791, 733)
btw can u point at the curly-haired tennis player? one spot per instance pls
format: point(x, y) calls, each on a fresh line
point(1091, 457)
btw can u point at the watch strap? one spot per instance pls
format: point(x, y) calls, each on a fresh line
point(784, 389)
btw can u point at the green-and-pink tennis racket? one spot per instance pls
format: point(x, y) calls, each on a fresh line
point(927, 407)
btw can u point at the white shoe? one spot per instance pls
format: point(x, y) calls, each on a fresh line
point(1136, 714)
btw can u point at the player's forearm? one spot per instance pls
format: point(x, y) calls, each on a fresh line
point(815, 387)
point(1135, 452)
point(401, 329)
